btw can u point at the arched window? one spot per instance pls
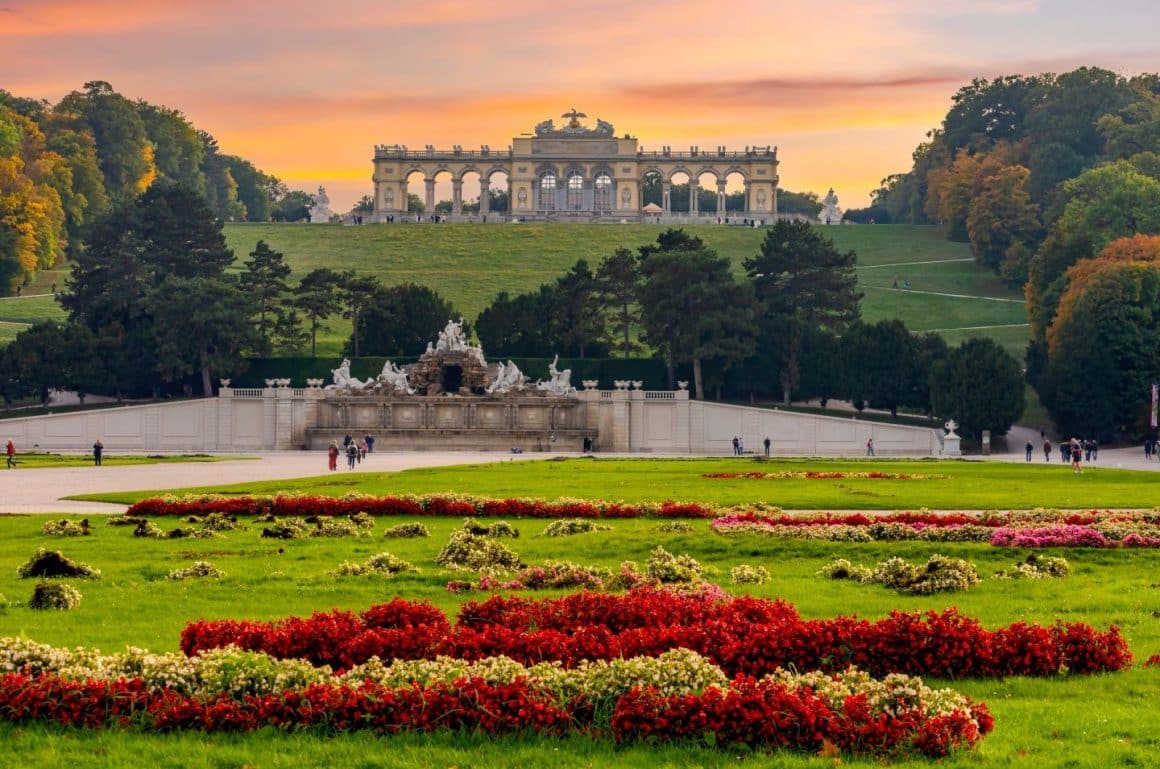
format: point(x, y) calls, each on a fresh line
point(547, 191)
point(602, 193)
point(575, 191)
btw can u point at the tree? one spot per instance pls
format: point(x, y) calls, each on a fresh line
point(514, 326)
point(123, 148)
point(883, 366)
point(263, 281)
point(979, 385)
point(178, 150)
point(40, 354)
point(415, 204)
point(692, 309)
point(1001, 215)
point(221, 189)
point(576, 317)
point(498, 200)
point(254, 188)
point(804, 203)
point(402, 319)
point(316, 295)
point(802, 280)
point(365, 205)
point(618, 282)
point(356, 295)
point(294, 206)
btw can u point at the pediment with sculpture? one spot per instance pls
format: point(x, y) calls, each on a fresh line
point(574, 128)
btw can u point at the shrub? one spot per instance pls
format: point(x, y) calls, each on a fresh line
point(66, 528)
point(125, 520)
point(468, 552)
point(54, 595)
point(287, 528)
point(566, 527)
point(148, 529)
point(1037, 566)
point(217, 522)
point(748, 575)
point(675, 527)
point(199, 569)
point(48, 564)
point(380, 563)
point(407, 531)
point(938, 574)
point(326, 526)
point(665, 567)
point(363, 520)
point(497, 529)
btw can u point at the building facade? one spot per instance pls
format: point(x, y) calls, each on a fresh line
point(576, 173)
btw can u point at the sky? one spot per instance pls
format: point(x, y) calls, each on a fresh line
point(844, 88)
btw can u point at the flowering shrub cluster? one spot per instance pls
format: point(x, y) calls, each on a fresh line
point(551, 575)
point(666, 568)
point(383, 563)
point(455, 505)
point(675, 527)
point(748, 575)
point(1034, 528)
point(356, 525)
point(199, 570)
point(1037, 566)
point(407, 531)
point(819, 475)
point(66, 528)
point(497, 529)
point(939, 574)
point(49, 564)
point(566, 527)
point(54, 595)
point(465, 551)
point(741, 635)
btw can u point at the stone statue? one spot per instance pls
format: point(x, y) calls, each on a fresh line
point(508, 378)
point(396, 378)
point(451, 338)
point(320, 212)
point(603, 127)
point(559, 382)
point(546, 127)
point(830, 213)
point(343, 379)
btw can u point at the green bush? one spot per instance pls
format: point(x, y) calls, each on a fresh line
point(54, 595)
point(49, 564)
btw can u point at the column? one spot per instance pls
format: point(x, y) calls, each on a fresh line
point(430, 197)
point(666, 202)
point(456, 197)
point(484, 195)
point(694, 190)
point(720, 198)
point(748, 211)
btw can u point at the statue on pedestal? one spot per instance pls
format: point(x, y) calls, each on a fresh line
point(320, 212)
point(559, 382)
point(508, 378)
point(343, 379)
point(830, 214)
point(395, 378)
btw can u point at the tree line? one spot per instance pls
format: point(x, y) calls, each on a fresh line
point(65, 166)
point(1040, 175)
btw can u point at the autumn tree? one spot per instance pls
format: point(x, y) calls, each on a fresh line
point(1002, 220)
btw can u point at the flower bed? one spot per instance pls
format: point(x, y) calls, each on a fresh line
point(743, 636)
point(1034, 528)
point(414, 505)
point(677, 696)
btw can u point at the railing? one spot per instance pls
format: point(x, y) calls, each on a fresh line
point(298, 392)
point(248, 392)
point(660, 395)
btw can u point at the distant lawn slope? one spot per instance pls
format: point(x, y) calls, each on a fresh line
point(469, 264)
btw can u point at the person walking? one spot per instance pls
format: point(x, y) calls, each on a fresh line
point(1064, 452)
point(736, 446)
point(767, 443)
point(370, 441)
point(98, 450)
point(1029, 448)
point(1147, 449)
point(10, 450)
point(332, 455)
point(1076, 456)
point(1095, 449)
point(351, 455)
point(1047, 451)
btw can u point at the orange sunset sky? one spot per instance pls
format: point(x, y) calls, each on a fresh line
point(844, 88)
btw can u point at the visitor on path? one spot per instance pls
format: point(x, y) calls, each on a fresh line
point(98, 450)
point(1064, 451)
point(1147, 449)
point(740, 447)
point(1076, 456)
point(332, 455)
point(1047, 451)
point(351, 455)
point(362, 452)
point(736, 446)
point(10, 450)
point(1095, 449)
point(346, 441)
point(1087, 450)
point(767, 443)
point(869, 447)
point(370, 442)
point(1029, 448)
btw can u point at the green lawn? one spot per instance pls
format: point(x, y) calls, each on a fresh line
point(33, 461)
point(959, 485)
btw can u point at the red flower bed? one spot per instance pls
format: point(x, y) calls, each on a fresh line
point(759, 714)
point(743, 636)
point(302, 506)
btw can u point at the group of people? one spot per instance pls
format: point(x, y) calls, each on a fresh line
point(739, 445)
point(10, 453)
point(1076, 450)
point(355, 451)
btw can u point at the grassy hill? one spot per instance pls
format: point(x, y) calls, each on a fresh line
point(469, 264)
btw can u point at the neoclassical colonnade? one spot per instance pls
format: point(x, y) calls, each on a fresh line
point(576, 173)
